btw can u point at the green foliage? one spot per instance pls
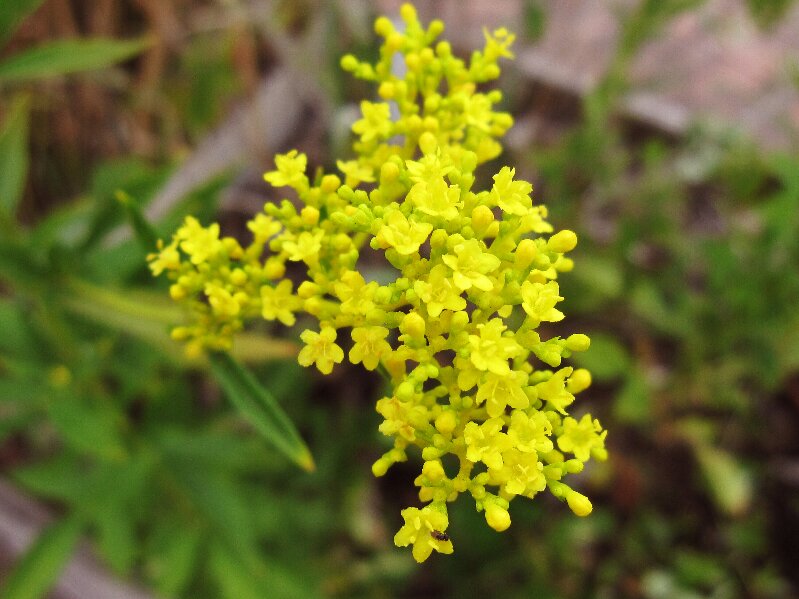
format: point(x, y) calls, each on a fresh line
point(12, 13)
point(685, 279)
point(14, 157)
point(260, 408)
point(68, 56)
point(44, 561)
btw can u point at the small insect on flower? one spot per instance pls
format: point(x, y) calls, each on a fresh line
point(439, 536)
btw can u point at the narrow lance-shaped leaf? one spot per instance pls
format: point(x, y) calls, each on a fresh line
point(148, 315)
point(258, 406)
point(41, 566)
point(12, 13)
point(68, 56)
point(13, 159)
point(145, 232)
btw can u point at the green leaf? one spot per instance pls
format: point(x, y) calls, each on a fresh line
point(17, 338)
point(236, 580)
point(260, 409)
point(176, 559)
point(145, 233)
point(633, 404)
point(64, 225)
point(730, 484)
point(116, 538)
point(41, 565)
point(232, 579)
point(607, 359)
point(13, 158)
point(220, 501)
point(648, 303)
point(12, 13)
point(63, 57)
point(86, 428)
point(58, 479)
point(149, 315)
point(20, 265)
point(534, 20)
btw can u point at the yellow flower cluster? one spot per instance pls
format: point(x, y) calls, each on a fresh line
point(475, 276)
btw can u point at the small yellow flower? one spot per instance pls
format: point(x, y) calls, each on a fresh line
point(356, 172)
point(521, 473)
point(501, 390)
point(306, 246)
point(485, 443)
point(424, 528)
point(222, 301)
point(355, 294)
point(554, 390)
point(439, 292)
point(401, 417)
point(290, 171)
point(491, 350)
point(278, 303)
point(376, 122)
point(428, 168)
point(530, 432)
point(512, 196)
point(470, 265)
point(167, 258)
point(264, 227)
point(539, 299)
point(198, 242)
point(321, 349)
point(581, 437)
point(403, 235)
point(436, 198)
point(370, 346)
point(498, 43)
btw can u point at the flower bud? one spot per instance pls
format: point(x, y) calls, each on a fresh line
point(459, 321)
point(308, 289)
point(579, 380)
point(562, 241)
point(428, 143)
point(405, 391)
point(309, 215)
point(578, 503)
point(177, 291)
point(381, 466)
point(434, 471)
point(389, 172)
point(383, 26)
point(407, 12)
point(446, 422)
point(413, 325)
point(349, 63)
point(482, 217)
point(497, 517)
point(438, 239)
point(274, 269)
point(330, 183)
point(578, 342)
point(526, 252)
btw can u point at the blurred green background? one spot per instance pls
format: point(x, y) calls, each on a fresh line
point(686, 279)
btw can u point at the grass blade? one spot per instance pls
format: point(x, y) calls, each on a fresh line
point(13, 159)
point(12, 13)
point(145, 232)
point(258, 406)
point(41, 565)
point(64, 57)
